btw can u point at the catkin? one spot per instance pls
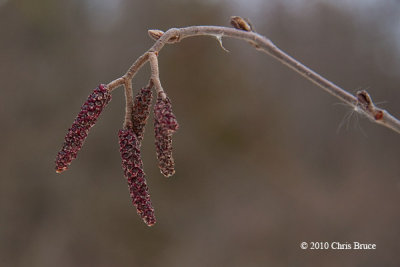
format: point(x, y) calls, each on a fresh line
point(141, 111)
point(79, 130)
point(133, 170)
point(165, 124)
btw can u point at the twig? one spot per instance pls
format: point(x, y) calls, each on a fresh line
point(165, 123)
point(129, 103)
point(263, 44)
point(155, 76)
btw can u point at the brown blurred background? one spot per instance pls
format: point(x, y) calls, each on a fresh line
point(265, 159)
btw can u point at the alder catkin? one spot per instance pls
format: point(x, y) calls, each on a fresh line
point(165, 124)
point(133, 170)
point(79, 130)
point(141, 110)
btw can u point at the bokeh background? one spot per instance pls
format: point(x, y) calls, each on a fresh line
point(265, 159)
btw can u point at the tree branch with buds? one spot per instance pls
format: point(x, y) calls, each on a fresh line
point(165, 124)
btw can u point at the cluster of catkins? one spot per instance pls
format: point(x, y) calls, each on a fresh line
point(130, 137)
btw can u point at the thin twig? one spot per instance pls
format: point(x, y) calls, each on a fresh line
point(129, 103)
point(155, 75)
point(263, 44)
point(116, 83)
point(136, 66)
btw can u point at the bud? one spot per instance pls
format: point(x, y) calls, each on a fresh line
point(241, 24)
point(165, 124)
point(155, 34)
point(133, 170)
point(141, 111)
point(364, 100)
point(79, 130)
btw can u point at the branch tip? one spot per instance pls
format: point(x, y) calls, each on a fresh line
point(155, 34)
point(243, 29)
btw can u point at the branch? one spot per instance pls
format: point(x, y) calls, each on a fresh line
point(243, 30)
point(165, 123)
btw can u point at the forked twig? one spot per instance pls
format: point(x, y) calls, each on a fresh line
point(243, 30)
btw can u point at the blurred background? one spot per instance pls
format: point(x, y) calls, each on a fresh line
point(264, 159)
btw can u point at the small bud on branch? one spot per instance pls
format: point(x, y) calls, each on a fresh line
point(367, 106)
point(364, 100)
point(241, 24)
point(155, 34)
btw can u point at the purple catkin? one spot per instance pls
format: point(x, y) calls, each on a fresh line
point(165, 124)
point(79, 130)
point(133, 170)
point(141, 111)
